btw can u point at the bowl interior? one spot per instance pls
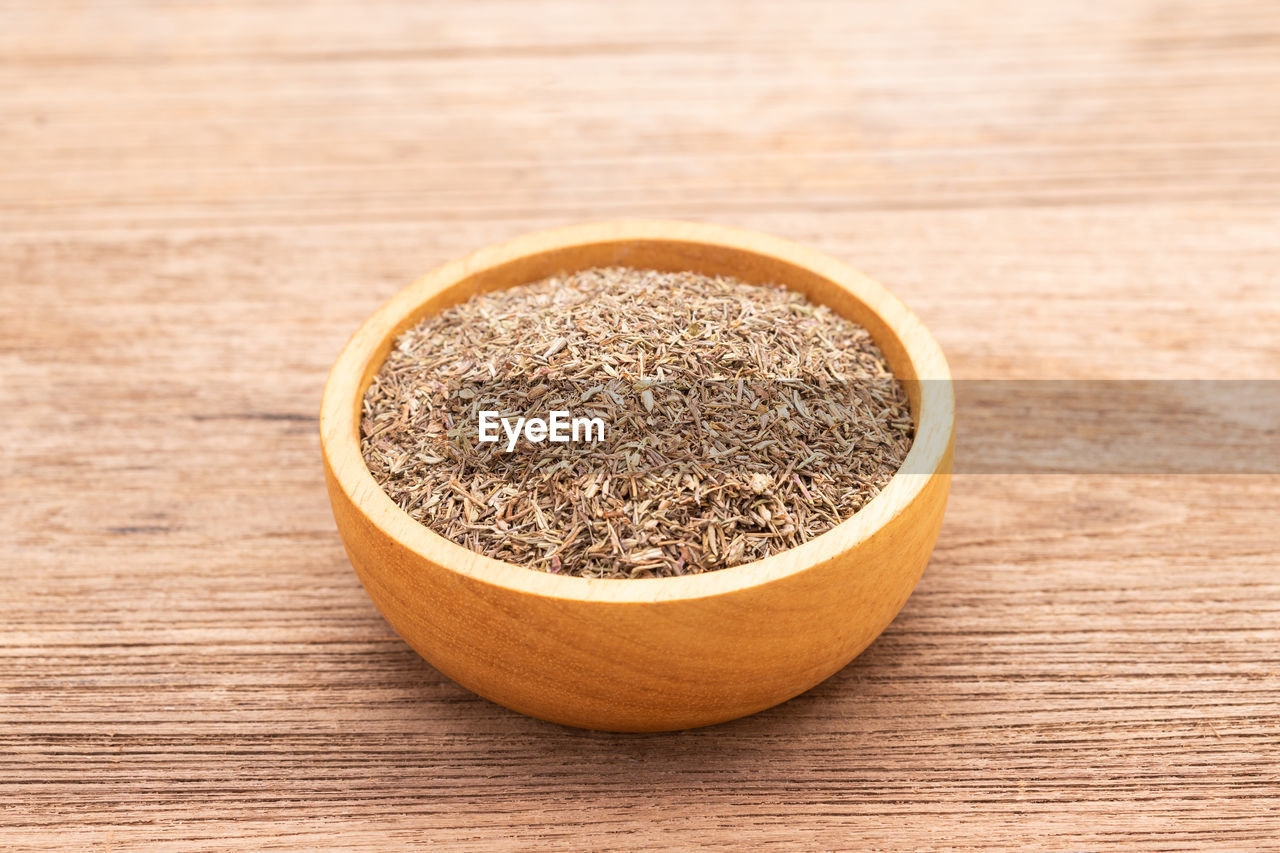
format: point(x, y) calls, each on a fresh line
point(664, 255)
point(668, 247)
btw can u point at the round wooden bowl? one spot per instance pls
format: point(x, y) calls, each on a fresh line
point(661, 653)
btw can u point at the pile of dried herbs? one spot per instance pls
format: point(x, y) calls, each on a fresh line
point(742, 420)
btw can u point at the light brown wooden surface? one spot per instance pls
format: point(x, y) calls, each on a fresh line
point(199, 203)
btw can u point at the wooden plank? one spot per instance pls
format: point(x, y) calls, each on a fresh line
point(199, 203)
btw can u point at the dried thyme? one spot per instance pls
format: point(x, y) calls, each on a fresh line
point(738, 421)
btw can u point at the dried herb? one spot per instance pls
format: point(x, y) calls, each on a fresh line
point(742, 420)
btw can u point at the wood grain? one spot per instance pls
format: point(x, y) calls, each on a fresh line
point(198, 203)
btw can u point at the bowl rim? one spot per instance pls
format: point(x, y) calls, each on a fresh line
point(929, 455)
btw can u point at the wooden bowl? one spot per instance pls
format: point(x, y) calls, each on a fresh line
point(660, 653)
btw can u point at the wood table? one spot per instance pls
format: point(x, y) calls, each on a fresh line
point(200, 202)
